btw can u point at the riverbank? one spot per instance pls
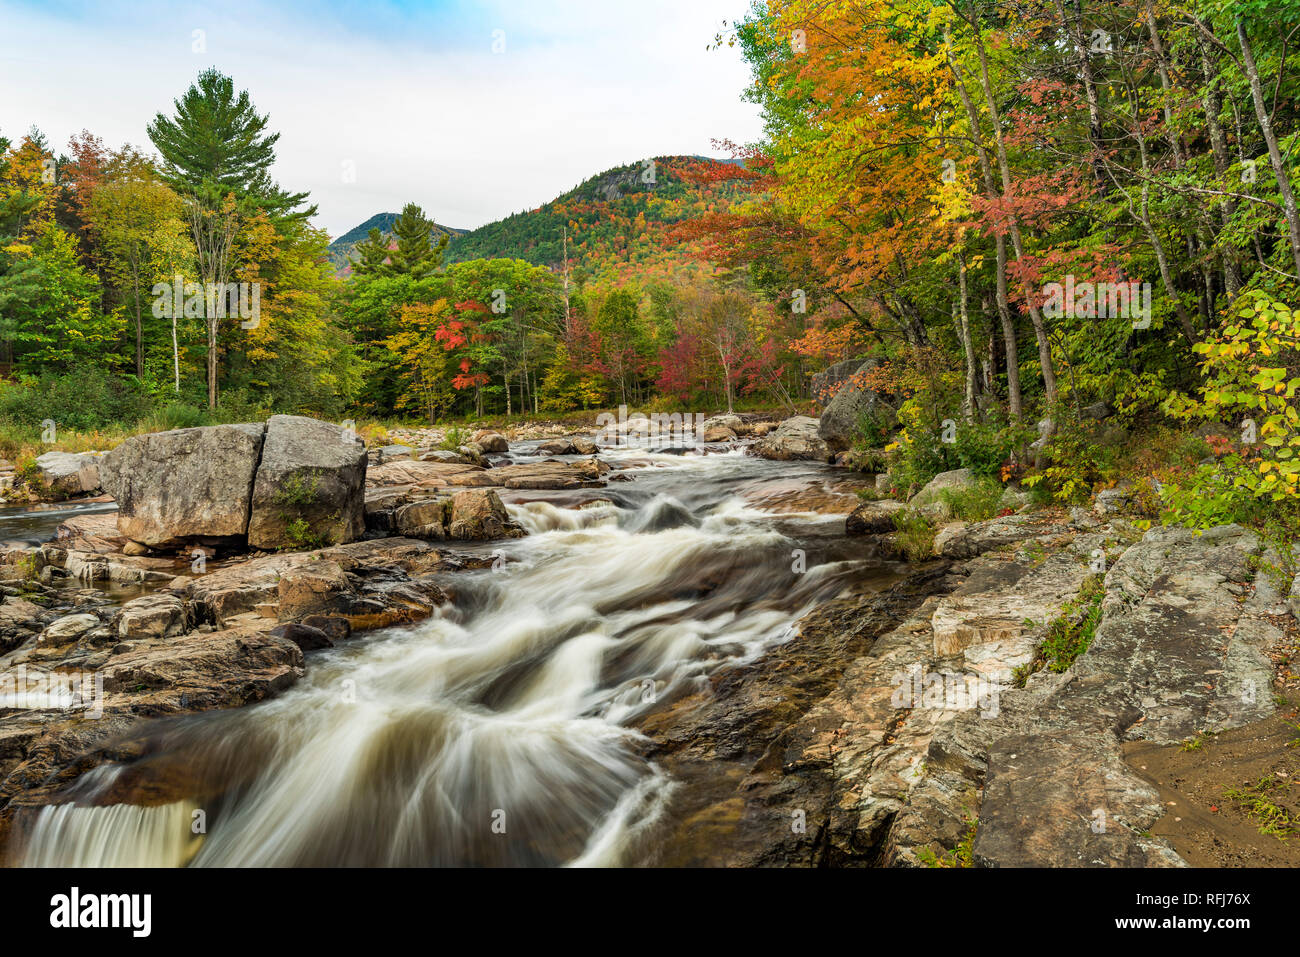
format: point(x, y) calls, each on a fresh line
point(750, 684)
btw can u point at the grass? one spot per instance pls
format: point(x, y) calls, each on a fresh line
point(974, 504)
point(963, 855)
point(1069, 634)
point(915, 534)
point(1254, 802)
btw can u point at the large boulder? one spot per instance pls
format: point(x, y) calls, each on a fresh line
point(490, 441)
point(187, 484)
point(310, 485)
point(873, 518)
point(478, 515)
point(795, 438)
point(956, 479)
point(826, 382)
point(68, 473)
point(843, 414)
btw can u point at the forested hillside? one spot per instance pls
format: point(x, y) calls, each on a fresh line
point(1033, 217)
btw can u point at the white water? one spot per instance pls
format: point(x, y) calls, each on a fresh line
point(497, 732)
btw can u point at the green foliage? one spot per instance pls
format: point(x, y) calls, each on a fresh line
point(915, 534)
point(83, 399)
point(974, 504)
point(1255, 802)
point(987, 448)
point(1070, 633)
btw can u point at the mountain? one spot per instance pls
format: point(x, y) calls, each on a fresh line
point(617, 222)
point(342, 250)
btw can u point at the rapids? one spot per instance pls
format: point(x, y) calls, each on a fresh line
point(503, 730)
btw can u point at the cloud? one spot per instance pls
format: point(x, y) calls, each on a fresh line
point(409, 96)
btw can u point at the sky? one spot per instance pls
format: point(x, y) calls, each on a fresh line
point(473, 110)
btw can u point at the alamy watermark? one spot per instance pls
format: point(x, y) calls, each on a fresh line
point(1099, 300)
point(217, 300)
point(657, 430)
point(52, 690)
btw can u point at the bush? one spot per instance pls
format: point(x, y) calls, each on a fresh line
point(915, 534)
point(986, 449)
point(81, 401)
point(974, 504)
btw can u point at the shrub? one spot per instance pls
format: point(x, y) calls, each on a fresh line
point(974, 504)
point(81, 401)
point(915, 534)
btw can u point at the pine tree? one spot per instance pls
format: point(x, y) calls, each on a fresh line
point(415, 252)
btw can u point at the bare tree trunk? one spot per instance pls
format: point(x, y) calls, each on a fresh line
point(968, 345)
point(1270, 139)
point(1013, 228)
point(1014, 401)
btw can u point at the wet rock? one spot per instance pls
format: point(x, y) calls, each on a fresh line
point(312, 589)
point(161, 615)
point(68, 473)
point(718, 433)
point(310, 472)
point(873, 518)
point(584, 446)
point(303, 635)
point(490, 441)
point(187, 483)
point(68, 628)
point(795, 438)
point(333, 627)
point(91, 533)
point(427, 519)
point(557, 447)
point(479, 515)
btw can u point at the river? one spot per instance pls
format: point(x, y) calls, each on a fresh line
point(503, 730)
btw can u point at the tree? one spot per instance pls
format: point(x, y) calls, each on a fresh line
point(138, 226)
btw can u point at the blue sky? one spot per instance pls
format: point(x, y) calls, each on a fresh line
point(381, 103)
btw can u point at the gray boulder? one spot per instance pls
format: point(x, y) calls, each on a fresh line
point(955, 479)
point(839, 421)
point(69, 473)
point(795, 438)
point(311, 472)
point(185, 484)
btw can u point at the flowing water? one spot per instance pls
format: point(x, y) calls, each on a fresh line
point(502, 730)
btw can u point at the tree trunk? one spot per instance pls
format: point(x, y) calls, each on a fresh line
point(1270, 139)
point(1035, 314)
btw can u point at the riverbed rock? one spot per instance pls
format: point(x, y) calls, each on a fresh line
point(304, 636)
point(65, 474)
point(490, 441)
point(479, 515)
point(840, 420)
point(557, 447)
point(91, 533)
point(717, 433)
point(873, 518)
point(186, 484)
point(390, 453)
point(310, 472)
point(795, 438)
point(160, 615)
point(68, 628)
